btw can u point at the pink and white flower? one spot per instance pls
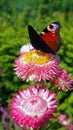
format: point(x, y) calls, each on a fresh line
point(36, 65)
point(64, 120)
point(63, 81)
point(33, 107)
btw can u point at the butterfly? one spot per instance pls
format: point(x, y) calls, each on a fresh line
point(48, 40)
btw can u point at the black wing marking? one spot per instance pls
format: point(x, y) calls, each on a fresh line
point(37, 42)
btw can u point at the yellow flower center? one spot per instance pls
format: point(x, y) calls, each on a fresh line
point(37, 57)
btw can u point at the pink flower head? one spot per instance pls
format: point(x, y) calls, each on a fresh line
point(33, 107)
point(64, 120)
point(63, 81)
point(36, 65)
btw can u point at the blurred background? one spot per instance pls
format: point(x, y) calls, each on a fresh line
point(15, 15)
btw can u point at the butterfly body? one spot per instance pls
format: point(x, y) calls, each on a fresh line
point(49, 39)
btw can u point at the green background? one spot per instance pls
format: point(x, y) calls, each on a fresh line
point(15, 15)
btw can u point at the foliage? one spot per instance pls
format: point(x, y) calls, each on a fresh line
point(14, 18)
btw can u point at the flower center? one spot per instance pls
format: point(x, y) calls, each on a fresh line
point(37, 57)
point(34, 106)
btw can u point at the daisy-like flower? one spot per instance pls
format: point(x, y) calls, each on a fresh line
point(63, 81)
point(36, 65)
point(64, 120)
point(32, 107)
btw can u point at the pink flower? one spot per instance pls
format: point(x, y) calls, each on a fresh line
point(36, 65)
point(33, 107)
point(63, 81)
point(71, 127)
point(64, 120)
point(1, 71)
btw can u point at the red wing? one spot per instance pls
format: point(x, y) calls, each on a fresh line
point(52, 40)
point(37, 42)
point(52, 37)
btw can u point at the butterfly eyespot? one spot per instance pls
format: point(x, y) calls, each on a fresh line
point(51, 26)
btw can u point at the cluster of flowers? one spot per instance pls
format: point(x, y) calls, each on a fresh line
point(34, 106)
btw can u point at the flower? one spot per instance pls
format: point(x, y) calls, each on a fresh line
point(71, 127)
point(64, 120)
point(26, 48)
point(33, 107)
point(1, 71)
point(63, 81)
point(36, 65)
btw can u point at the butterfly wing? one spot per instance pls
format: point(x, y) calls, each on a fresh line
point(37, 42)
point(51, 36)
